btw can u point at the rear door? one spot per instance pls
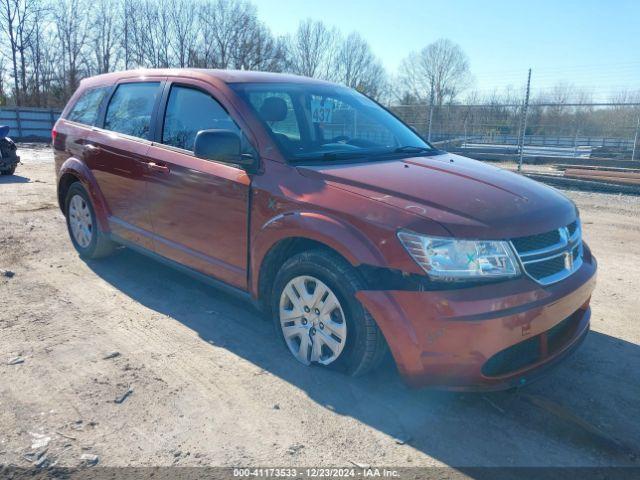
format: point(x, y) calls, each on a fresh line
point(198, 208)
point(116, 152)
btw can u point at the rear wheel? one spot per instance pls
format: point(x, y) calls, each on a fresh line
point(86, 236)
point(316, 314)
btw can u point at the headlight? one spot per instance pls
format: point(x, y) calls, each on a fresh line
point(454, 260)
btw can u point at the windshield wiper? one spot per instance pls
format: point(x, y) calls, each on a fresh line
point(353, 155)
point(341, 155)
point(412, 149)
point(331, 156)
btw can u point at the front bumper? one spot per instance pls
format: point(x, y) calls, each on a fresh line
point(489, 337)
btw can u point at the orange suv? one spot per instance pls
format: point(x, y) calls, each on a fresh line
point(352, 232)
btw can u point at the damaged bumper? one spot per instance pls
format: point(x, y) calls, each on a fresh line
point(488, 337)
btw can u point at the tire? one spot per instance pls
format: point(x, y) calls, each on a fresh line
point(93, 243)
point(363, 346)
point(8, 171)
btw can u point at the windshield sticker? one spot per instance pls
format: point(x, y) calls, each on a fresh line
point(321, 110)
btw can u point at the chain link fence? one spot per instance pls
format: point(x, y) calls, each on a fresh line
point(604, 130)
point(594, 130)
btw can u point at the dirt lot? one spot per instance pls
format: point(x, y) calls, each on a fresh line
point(210, 385)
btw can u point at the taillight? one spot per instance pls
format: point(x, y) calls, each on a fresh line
point(54, 134)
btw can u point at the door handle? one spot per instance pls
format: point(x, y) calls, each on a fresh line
point(154, 167)
point(91, 148)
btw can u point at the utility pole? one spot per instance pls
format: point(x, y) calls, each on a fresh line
point(635, 140)
point(523, 121)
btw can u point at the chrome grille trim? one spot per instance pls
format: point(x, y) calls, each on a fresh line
point(566, 248)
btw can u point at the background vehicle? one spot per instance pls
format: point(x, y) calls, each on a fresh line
point(331, 214)
point(9, 158)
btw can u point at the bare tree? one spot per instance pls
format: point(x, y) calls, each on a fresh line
point(311, 50)
point(440, 69)
point(105, 33)
point(134, 34)
point(257, 49)
point(52, 89)
point(3, 93)
point(184, 31)
point(140, 34)
point(148, 24)
point(71, 23)
point(233, 37)
point(36, 57)
point(160, 27)
point(222, 25)
point(126, 12)
point(357, 67)
point(17, 19)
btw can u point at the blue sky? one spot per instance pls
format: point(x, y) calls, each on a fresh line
point(592, 44)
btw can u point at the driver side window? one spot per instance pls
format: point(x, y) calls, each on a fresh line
point(190, 110)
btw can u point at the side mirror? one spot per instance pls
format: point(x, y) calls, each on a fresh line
point(221, 145)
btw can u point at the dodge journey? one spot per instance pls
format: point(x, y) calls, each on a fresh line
point(355, 235)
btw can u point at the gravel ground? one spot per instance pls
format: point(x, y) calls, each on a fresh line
point(199, 379)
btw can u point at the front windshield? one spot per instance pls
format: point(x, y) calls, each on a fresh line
point(318, 122)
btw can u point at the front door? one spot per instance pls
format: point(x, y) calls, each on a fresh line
point(198, 208)
point(116, 154)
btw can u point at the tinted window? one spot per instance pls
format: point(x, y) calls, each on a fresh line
point(86, 108)
point(188, 112)
point(130, 108)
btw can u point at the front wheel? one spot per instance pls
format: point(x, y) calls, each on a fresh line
point(319, 319)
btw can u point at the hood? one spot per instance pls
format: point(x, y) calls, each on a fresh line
point(471, 199)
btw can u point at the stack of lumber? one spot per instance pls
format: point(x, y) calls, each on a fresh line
point(620, 176)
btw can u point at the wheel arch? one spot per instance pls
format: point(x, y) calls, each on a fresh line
point(74, 170)
point(279, 253)
point(286, 235)
point(66, 180)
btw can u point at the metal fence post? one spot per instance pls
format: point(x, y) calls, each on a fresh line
point(430, 116)
point(635, 140)
point(18, 122)
point(523, 122)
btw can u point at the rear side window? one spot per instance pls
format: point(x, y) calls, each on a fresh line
point(86, 108)
point(130, 109)
point(189, 111)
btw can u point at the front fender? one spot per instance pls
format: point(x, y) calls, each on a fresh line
point(345, 239)
point(78, 169)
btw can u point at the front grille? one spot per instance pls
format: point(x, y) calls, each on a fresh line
point(535, 242)
point(547, 268)
point(551, 256)
point(576, 253)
